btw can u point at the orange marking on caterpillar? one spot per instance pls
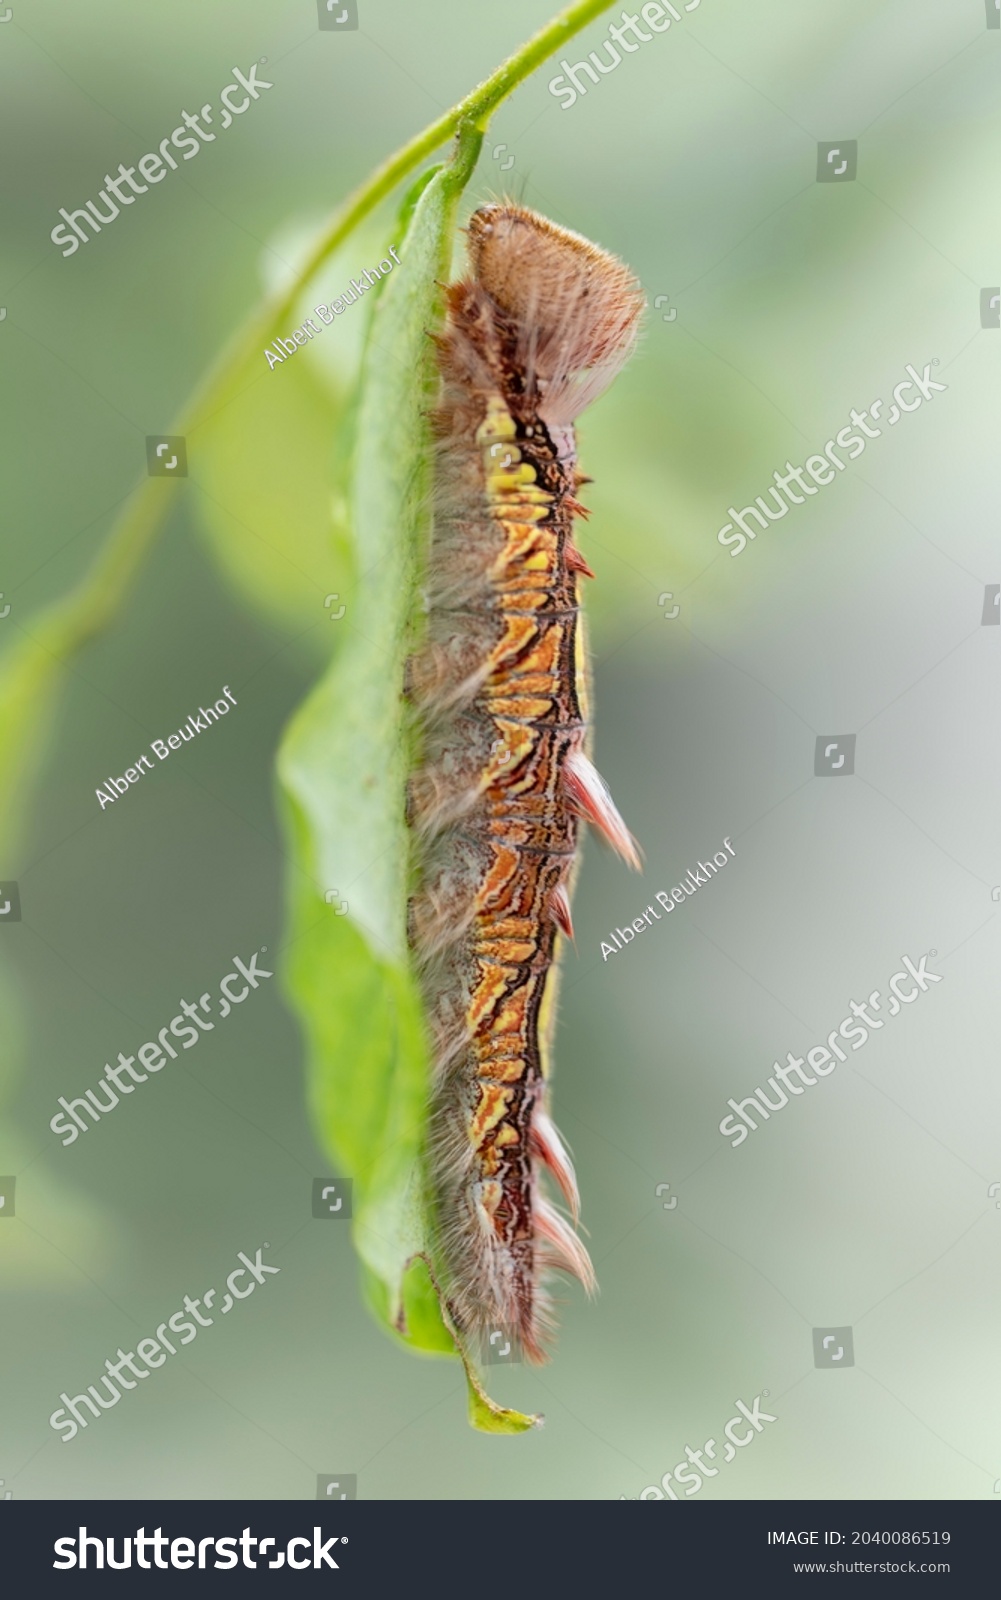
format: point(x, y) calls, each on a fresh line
point(491, 1109)
point(537, 329)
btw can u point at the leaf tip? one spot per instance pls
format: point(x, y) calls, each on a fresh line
point(488, 1417)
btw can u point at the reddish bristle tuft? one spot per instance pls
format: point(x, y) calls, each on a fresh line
point(568, 1252)
point(576, 563)
point(559, 910)
point(587, 793)
point(548, 1145)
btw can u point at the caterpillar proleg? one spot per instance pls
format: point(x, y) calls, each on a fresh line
point(534, 333)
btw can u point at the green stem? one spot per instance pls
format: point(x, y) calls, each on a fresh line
point(83, 613)
point(476, 108)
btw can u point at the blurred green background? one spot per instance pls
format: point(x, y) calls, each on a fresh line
point(864, 1204)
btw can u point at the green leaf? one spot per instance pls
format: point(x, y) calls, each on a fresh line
point(270, 461)
point(266, 485)
point(489, 1417)
point(344, 764)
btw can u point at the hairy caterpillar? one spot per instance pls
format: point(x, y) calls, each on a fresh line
point(532, 336)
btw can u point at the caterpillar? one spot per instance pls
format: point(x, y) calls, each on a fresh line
point(532, 335)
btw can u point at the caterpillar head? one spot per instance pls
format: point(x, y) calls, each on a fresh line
point(576, 307)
